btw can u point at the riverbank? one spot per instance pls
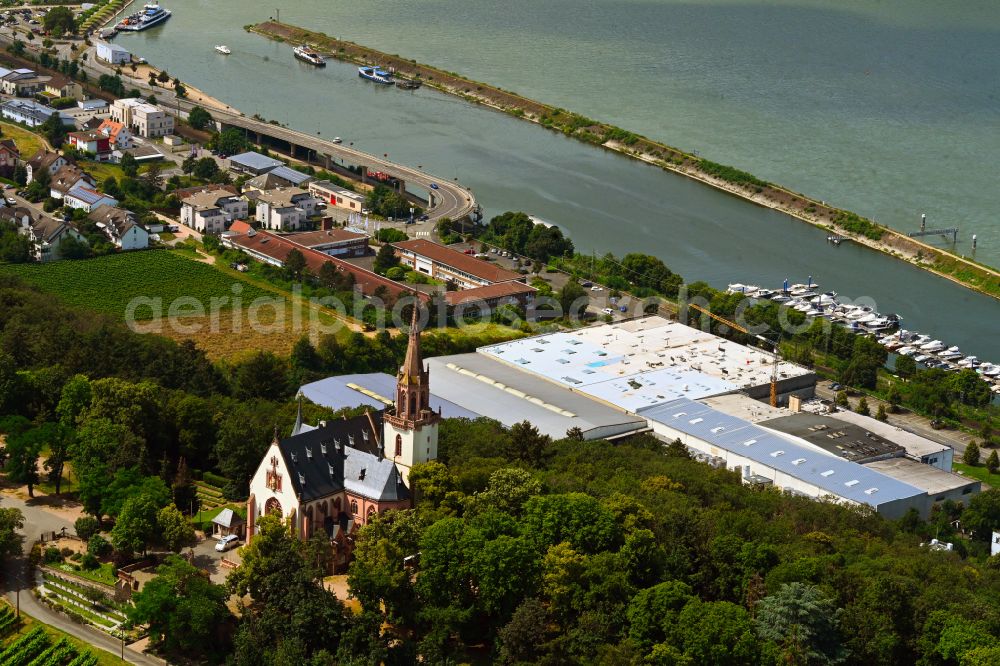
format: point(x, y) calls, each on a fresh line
point(962, 271)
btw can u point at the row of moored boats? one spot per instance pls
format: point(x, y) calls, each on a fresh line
point(864, 320)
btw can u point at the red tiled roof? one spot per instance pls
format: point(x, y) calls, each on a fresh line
point(489, 292)
point(278, 248)
point(463, 262)
point(240, 227)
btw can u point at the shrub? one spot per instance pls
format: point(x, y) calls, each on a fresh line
point(75, 557)
point(52, 555)
point(214, 480)
point(66, 552)
point(86, 527)
point(98, 546)
point(89, 562)
point(396, 273)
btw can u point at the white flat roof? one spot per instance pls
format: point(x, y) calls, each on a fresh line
point(744, 407)
point(926, 477)
point(663, 359)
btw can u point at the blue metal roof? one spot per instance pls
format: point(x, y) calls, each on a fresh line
point(252, 160)
point(291, 175)
point(334, 392)
point(831, 473)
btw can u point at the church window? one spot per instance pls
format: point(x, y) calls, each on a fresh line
point(272, 506)
point(354, 507)
point(399, 445)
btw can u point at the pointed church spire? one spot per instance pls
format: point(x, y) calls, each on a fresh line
point(297, 428)
point(413, 367)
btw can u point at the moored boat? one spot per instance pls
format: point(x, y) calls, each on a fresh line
point(376, 74)
point(223, 49)
point(309, 55)
point(152, 14)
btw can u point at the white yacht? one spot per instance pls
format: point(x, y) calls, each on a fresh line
point(920, 358)
point(950, 353)
point(968, 362)
point(223, 49)
point(906, 351)
point(989, 370)
point(934, 346)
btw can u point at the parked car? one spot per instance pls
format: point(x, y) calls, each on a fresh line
point(434, 186)
point(469, 251)
point(597, 288)
point(227, 542)
point(607, 311)
point(834, 386)
point(11, 201)
point(424, 218)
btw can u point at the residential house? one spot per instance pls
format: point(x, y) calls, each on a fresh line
point(118, 134)
point(30, 113)
point(284, 208)
point(62, 86)
point(44, 160)
point(121, 227)
point(211, 209)
point(87, 198)
point(66, 178)
point(113, 53)
point(492, 296)
point(23, 83)
point(45, 233)
point(94, 142)
point(253, 164)
point(337, 196)
point(144, 119)
point(279, 177)
point(9, 157)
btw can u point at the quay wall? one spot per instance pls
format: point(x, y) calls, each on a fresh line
point(971, 274)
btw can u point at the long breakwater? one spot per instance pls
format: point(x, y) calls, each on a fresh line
point(843, 223)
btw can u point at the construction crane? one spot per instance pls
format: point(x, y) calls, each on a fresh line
point(736, 327)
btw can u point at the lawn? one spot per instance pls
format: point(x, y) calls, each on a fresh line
point(103, 574)
point(101, 171)
point(978, 472)
point(28, 143)
point(109, 284)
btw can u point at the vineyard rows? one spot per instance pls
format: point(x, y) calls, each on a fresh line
point(36, 648)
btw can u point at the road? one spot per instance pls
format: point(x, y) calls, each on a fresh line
point(38, 521)
point(451, 199)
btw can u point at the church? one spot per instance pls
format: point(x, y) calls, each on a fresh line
point(333, 477)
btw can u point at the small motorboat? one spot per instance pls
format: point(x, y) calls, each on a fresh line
point(920, 358)
point(933, 346)
point(950, 353)
point(906, 351)
point(223, 49)
point(968, 362)
point(337, 139)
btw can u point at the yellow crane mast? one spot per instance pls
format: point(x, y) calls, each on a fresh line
point(736, 327)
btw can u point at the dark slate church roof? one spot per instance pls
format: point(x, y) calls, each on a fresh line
point(342, 454)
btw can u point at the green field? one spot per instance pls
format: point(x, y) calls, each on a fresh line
point(109, 284)
point(978, 472)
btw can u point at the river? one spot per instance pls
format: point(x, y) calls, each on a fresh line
point(606, 202)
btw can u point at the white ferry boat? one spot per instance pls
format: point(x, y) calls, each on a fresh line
point(152, 14)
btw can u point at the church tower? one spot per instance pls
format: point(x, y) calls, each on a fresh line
point(411, 428)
